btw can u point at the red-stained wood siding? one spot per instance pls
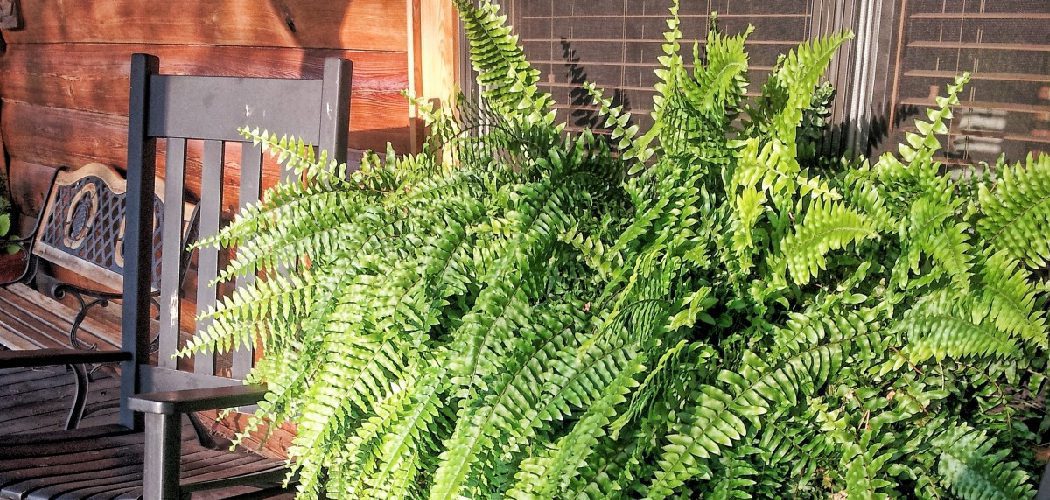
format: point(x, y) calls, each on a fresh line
point(348, 24)
point(65, 72)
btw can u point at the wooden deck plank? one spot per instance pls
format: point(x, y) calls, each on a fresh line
point(129, 483)
point(105, 327)
point(38, 465)
point(50, 377)
point(83, 432)
point(39, 399)
point(110, 477)
point(50, 319)
point(51, 390)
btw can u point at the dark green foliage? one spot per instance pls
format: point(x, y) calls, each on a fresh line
point(5, 207)
point(701, 309)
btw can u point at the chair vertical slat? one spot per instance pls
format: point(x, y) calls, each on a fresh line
point(208, 258)
point(138, 235)
point(287, 175)
point(251, 184)
point(171, 252)
point(334, 115)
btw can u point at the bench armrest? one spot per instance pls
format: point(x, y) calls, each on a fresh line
point(191, 400)
point(58, 356)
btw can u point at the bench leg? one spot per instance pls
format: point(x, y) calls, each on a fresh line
point(160, 480)
point(79, 399)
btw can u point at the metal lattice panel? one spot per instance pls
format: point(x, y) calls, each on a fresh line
point(84, 225)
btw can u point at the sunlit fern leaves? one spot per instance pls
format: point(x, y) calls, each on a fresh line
point(710, 307)
point(826, 227)
point(1017, 209)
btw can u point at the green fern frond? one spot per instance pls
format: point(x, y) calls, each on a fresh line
point(497, 415)
point(1014, 214)
point(616, 120)
point(722, 81)
point(547, 474)
point(972, 470)
point(717, 421)
point(713, 307)
point(508, 81)
point(942, 326)
point(1008, 294)
point(798, 73)
point(826, 227)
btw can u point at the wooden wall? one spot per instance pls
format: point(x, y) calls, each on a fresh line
point(64, 74)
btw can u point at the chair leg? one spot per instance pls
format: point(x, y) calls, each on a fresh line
point(80, 398)
point(160, 479)
point(1044, 485)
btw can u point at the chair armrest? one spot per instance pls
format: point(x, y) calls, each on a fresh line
point(191, 400)
point(163, 440)
point(57, 357)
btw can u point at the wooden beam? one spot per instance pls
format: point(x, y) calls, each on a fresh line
point(439, 55)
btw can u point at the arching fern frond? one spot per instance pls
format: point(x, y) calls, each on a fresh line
point(971, 469)
point(1014, 214)
point(714, 307)
point(826, 227)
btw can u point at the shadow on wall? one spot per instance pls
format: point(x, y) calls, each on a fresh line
point(582, 112)
point(832, 143)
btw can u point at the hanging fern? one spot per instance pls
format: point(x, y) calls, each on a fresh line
point(705, 308)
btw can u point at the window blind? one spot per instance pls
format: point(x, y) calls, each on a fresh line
point(1006, 45)
point(616, 43)
point(905, 52)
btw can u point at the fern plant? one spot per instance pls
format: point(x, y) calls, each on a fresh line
point(704, 308)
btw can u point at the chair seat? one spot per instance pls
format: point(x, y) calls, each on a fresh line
point(103, 461)
point(37, 400)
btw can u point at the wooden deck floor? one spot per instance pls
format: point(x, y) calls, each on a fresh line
point(37, 400)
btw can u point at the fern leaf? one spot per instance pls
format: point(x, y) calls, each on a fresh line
point(826, 227)
point(941, 327)
point(1015, 213)
point(972, 470)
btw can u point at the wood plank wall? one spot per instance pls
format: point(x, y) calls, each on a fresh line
point(64, 73)
point(63, 76)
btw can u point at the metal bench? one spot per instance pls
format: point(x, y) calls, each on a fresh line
point(79, 229)
point(121, 460)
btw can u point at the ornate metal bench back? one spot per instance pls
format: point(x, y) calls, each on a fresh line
point(84, 223)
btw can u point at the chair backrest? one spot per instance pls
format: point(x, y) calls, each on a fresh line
point(209, 109)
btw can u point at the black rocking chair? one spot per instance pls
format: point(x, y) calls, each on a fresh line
point(107, 461)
